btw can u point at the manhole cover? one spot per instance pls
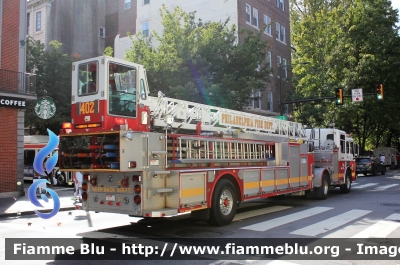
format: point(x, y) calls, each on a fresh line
point(204, 233)
point(390, 204)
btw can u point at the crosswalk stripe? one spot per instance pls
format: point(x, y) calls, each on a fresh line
point(380, 229)
point(244, 215)
point(386, 187)
point(331, 223)
point(365, 185)
point(264, 226)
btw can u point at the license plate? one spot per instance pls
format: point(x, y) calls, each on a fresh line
point(110, 198)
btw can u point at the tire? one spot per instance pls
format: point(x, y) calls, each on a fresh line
point(224, 203)
point(322, 192)
point(383, 172)
point(61, 179)
point(374, 171)
point(346, 187)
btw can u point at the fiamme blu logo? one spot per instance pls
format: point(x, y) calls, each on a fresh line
point(38, 166)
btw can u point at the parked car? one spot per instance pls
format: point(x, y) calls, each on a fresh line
point(372, 165)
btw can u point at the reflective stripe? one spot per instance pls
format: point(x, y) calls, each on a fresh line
point(192, 192)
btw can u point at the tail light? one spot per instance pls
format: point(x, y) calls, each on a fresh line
point(137, 199)
point(86, 177)
point(84, 186)
point(84, 196)
point(135, 178)
point(118, 203)
point(137, 189)
point(132, 164)
point(120, 121)
point(67, 125)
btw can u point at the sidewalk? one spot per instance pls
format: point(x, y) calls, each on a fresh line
point(15, 206)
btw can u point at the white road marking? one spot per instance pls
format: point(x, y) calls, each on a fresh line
point(244, 215)
point(331, 223)
point(269, 224)
point(386, 187)
point(365, 185)
point(381, 229)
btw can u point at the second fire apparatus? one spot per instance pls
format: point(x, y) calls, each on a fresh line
point(157, 156)
point(32, 145)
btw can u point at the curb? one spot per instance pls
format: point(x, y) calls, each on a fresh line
point(14, 214)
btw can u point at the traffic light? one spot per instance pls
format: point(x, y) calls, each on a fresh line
point(379, 92)
point(339, 96)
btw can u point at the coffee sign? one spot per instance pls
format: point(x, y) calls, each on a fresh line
point(12, 102)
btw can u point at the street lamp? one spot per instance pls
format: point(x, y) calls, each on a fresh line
point(280, 84)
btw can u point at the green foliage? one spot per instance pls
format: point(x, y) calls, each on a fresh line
point(201, 61)
point(350, 44)
point(53, 74)
point(108, 51)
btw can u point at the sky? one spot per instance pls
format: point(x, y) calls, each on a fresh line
point(396, 5)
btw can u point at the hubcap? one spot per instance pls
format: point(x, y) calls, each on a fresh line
point(226, 202)
point(348, 182)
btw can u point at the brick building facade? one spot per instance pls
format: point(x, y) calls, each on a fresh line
point(16, 87)
point(249, 14)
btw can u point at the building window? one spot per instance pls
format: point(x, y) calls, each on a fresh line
point(284, 68)
point(283, 34)
point(38, 21)
point(255, 99)
point(267, 23)
point(145, 2)
point(128, 4)
point(279, 63)
point(102, 33)
point(28, 18)
point(270, 102)
point(248, 12)
point(280, 4)
point(269, 61)
point(255, 18)
point(251, 16)
point(145, 29)
point(280, 32)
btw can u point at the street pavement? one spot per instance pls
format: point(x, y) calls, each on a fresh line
point(15, 206)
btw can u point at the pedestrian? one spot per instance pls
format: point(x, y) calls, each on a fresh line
point(398, 160)
point(382, 157)
point(78, 179)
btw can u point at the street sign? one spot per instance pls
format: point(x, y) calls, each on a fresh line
point(281, 118)
point(357, 95)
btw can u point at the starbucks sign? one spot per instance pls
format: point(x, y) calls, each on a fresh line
point(45, 108)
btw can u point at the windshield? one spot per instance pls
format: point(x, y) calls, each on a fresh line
point(88, 80)
point(363, 160)
point(122, 90)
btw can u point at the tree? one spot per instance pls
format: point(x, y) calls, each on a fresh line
point(202, 62)
point(53, 74)
point(351, 44)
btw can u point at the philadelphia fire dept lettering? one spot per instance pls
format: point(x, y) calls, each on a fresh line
point(87, 107)
point(232, 120)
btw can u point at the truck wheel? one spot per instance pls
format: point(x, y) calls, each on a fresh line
point(346, 187)
point(322, 192)
point(61, 179)
point(374, 171)
point(383, 171)
point(224, 203)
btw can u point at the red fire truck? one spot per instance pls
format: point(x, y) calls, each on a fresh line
point(156, 156)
